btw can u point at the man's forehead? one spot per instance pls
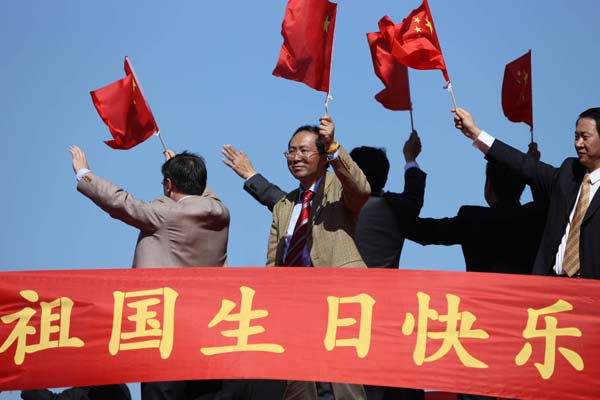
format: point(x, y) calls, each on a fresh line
point(303, 138)
point(586, 125)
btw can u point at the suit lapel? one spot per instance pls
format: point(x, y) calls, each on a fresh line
point(594, 205)
point(572, 195)
point(284, 217)
point(318, 200)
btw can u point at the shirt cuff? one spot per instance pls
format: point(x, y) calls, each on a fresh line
point(412, 164)
point(332, 156)
point(484, 141)
point(251, 176)
point(81, 173)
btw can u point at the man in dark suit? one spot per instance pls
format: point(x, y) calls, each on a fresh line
point(503, 237)
point(569, 243)
point(379, 234)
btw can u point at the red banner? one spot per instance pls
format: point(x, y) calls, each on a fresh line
point(511, 336)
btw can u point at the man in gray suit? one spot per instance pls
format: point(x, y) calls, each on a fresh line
point(186, 227)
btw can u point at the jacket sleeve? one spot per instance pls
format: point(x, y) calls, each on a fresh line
point(75, 393)
point(539, 175)
point(121, 205)
point(407, 205)
point(444, 231)
point(265, 192)
point(355, 187)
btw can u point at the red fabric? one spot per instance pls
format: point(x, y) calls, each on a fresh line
point(307, 32)
point(396, 94)
point(414, 42)
point(419, 331)
point(123, 108)
point(517, 101)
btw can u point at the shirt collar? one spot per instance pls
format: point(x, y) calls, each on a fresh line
point(313, 188)
point(186, 197)
point(595, 176)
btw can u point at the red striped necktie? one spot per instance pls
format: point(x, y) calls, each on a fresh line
point(293, 256)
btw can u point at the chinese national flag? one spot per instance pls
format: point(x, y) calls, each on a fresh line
point(396, 94)
point(517, 101)
point(307, 32)
point(123, 108)
point(415, 43)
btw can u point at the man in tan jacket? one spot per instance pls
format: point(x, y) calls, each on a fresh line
point(186, 227)
point(314, 224)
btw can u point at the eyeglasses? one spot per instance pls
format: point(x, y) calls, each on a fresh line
point(291, 154)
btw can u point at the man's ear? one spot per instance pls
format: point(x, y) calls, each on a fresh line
point(168, 185)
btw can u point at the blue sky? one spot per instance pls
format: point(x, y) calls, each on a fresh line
point(206, 72)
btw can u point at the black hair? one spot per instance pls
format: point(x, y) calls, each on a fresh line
point(312, 129)
point(374, 164)
point(591, 113)
point(506, 184)
point(187, 172)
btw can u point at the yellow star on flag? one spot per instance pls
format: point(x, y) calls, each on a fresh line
point(417, 19)
point(417, 29)
point(326, 24)
point(428, 24)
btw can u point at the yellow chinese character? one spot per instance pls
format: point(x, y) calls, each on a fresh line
point(450, 337)
point(159, 335)
point(244, 317)
point(550, 333)
point(363, 342)
point(22, 328)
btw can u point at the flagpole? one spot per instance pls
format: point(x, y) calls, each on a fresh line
point(531, 131)
point(329, 97)
point(449, 88)
point(412, 124)
point(161, 140)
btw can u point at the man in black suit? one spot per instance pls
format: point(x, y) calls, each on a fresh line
point(379, 234)
point(503, 237)
point(569, 244)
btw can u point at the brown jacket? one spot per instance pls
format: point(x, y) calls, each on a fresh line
point(333, 215)
point(190, 233)
point(332, 220)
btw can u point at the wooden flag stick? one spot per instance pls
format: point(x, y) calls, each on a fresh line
point(161, 141)
point(327, 98)
point(412, 123)
point(449, 88)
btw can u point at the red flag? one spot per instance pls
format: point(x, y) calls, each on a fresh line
point(307, 32)
point(396, 94)
point(123, 108)
point(414, 41)
point(517, 101)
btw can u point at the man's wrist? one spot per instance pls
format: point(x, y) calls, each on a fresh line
point(411, 164)
point(81, 172)
point(333, 147)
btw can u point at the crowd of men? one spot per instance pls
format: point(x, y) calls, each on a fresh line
point(344, 218)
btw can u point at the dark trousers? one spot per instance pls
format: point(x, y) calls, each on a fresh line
point(393, 393)
point(182, 390)
point(253, 389)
